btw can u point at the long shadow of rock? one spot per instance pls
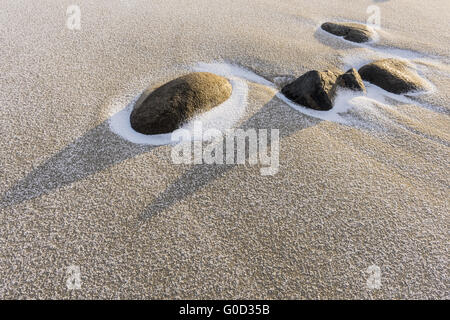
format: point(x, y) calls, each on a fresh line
point(98, 149)
point(273, 115)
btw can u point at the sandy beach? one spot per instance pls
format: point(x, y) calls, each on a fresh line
point(364, 185)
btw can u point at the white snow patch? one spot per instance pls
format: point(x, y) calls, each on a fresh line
point(220, 118)
point(343, 103)
point(347, 100)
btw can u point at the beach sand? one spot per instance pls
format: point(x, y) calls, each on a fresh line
point(373, 191)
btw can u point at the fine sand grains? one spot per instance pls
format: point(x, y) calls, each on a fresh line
point(369, 187)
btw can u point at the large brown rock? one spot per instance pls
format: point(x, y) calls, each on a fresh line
point(392, 75)
point(165, 109)
point(354, 32)
point(314, 89)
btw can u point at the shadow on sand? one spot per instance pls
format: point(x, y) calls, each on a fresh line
point(100, 148)
point(275, 114)
point(96, 150)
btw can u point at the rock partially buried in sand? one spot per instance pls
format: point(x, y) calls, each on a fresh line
point(351, 80)
point(354, 32)
point(169, 106)
point(392, 75)
point(314, 89)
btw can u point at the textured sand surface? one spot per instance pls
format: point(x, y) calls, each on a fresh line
point(374, 191)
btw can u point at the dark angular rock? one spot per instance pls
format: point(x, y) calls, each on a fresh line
point(165, 109)
point(351, 80)
point(314, 89)
point(392, 75)
point(354, 32)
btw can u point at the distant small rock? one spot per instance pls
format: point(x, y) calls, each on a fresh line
point(392, 75)
point(314, 89)
point(351, 80)
point(165, 109)
point(354, 32)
